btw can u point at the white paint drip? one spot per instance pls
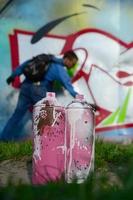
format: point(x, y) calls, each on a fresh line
point(37, 150)
point(55, 118)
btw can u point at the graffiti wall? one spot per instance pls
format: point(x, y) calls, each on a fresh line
point(101, 34)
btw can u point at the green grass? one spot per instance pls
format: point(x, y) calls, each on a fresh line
point(15, 150)
point(91, 189)
point(109, 158)
point(105, 153)
point(113, 153)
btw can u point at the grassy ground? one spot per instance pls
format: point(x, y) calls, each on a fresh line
point(105, 152)
point(112, 178)
point(15, 150)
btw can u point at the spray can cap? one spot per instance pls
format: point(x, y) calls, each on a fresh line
point(50, 94)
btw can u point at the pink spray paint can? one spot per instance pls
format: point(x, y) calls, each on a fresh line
point(48, 131)
point(79, 140)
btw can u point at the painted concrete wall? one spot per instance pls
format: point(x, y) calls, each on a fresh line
point(101, 34)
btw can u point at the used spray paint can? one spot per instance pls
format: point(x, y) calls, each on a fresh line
point(48, 133)
point(79, 140)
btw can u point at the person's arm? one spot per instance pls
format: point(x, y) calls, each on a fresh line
point(66, 81)
point(17, 72)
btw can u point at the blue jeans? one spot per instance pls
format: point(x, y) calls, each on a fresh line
point(29, 95)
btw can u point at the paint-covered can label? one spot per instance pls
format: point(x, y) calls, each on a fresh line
point(48, 155)
point(80, 141)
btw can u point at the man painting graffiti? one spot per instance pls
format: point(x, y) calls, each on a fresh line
point(31, 92)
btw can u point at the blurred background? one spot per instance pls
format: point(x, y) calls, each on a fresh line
point(101, 34)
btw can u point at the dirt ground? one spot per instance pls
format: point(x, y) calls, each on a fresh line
point(16, 171)
point(20, 171)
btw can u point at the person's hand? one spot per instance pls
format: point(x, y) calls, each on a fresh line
point(94, 107)
point(9, 80)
